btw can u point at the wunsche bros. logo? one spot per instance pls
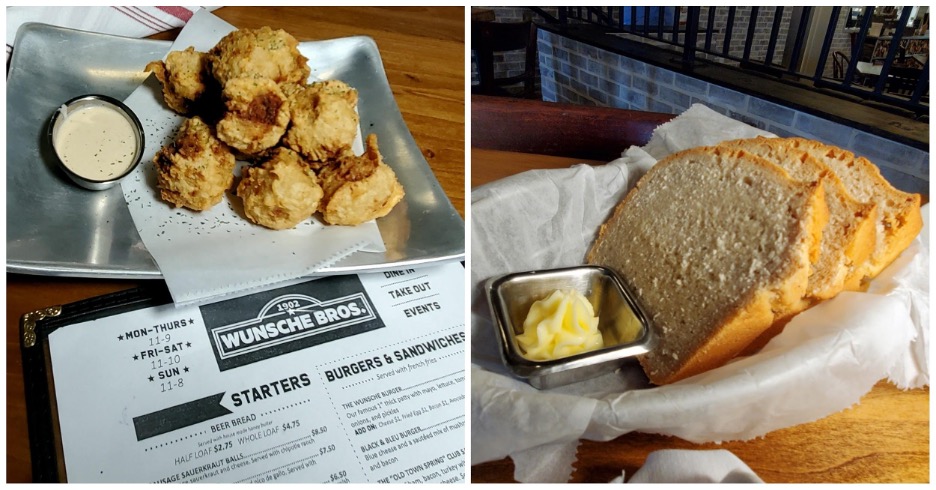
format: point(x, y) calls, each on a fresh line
point(290, 322)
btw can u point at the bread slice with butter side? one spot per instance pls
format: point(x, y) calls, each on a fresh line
point(715, 242)
point(848, 238)
point(898, 213)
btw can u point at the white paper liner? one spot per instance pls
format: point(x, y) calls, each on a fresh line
point(206, 255)
point(689, 466)
point(823, 362)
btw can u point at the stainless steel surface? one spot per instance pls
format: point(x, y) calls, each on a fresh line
point(55, 228)
point(511, 297)
point(59, 117)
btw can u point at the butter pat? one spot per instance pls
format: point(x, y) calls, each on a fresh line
point(626, 328)
point(562, 325)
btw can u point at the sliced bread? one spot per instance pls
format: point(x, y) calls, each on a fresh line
point(898, 213)
point(849, 236)
point(715, 242)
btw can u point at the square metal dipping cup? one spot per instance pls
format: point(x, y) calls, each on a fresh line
point(512, 295)
point(58, 118)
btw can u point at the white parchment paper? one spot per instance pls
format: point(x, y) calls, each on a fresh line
point(692, 466)
point(823, 362)
point(210, 254)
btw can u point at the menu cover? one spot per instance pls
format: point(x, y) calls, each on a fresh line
point(357, 378)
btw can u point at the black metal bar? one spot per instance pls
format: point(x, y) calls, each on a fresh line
point(563, 16)
point(676, 26)
point(621, 18)
point(856, 50)
point(692, 35)
point(728, 29)
point(661, 13)
point(633, 18)
point(892, 50)
point(774, 33)
point(921, 86)
point(749, 39)
point(798, 41)
point(545, 15)
point(600, 17)
point(826, 44)
point(646, 22)
point(709, 27)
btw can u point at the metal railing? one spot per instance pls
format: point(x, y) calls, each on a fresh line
point(885, 79)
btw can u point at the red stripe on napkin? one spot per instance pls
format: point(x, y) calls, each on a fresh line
point(181, 13)
point(138, 19)
point(155, 20)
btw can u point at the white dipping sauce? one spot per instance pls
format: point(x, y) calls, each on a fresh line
point(96, 142)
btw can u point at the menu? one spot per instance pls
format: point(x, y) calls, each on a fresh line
point(357, 378)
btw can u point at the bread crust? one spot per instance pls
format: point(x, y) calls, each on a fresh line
point(859, 251)
point(899, 220)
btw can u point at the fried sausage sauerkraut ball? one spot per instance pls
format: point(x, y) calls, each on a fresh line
point(281, 192)
point(196, 169)
point(256, 117)
point(259, 53)
point(324, 120)
point(184, 77)
point(249, 97)
point(359, 189)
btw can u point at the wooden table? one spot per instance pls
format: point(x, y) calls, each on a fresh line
point(885, 438)
point(423, 54)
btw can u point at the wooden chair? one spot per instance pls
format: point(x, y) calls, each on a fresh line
point(839, 65)
point(490, 37)
point(547, 128)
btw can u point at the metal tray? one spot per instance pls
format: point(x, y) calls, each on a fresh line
point(56, 228)
point(511, 296)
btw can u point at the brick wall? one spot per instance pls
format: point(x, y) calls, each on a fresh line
point(511, 63)
point(577, 73)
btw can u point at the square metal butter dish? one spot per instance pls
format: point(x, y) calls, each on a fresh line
point(511, 296)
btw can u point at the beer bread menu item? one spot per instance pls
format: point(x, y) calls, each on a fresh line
point(899, 219)
point(720, 243)
point(848, 237)
point(716, 244)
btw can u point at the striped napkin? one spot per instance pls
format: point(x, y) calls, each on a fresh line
point(120, 21)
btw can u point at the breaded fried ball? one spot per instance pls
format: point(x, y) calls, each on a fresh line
point(290, 89)
point(259, 53)
point(256, 117)
point(324, 122)
point(184, 77)
point(196, 169)
point(280, 193)
point(359, 189)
